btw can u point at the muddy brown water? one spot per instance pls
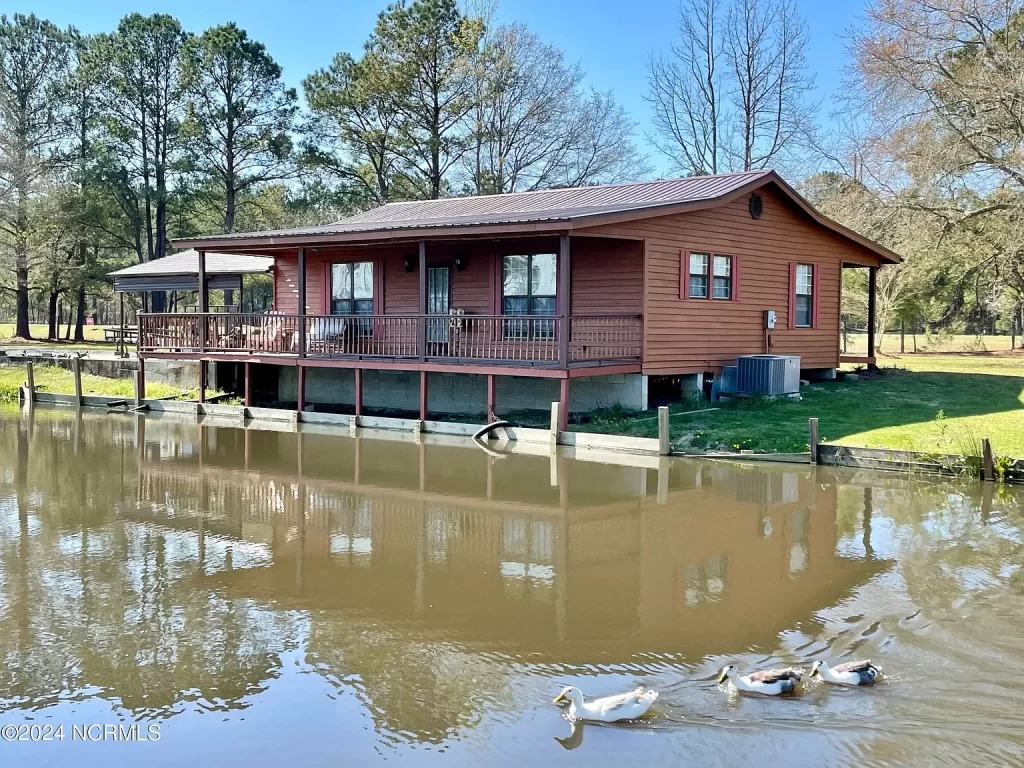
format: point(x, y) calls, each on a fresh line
point(265, 598)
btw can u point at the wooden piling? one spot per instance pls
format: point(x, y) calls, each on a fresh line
point(76, 370)
point(988, 471)
point(30, 383)
point(138, 380)
point(812, 425)
point(664, 443)
point(556, 419)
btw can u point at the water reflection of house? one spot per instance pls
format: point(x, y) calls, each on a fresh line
point(523, 555)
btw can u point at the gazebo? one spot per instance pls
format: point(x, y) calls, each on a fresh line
point(186, 271)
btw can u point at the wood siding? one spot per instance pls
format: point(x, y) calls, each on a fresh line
point(696, 335)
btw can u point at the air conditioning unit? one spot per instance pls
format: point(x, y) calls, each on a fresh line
point(768, 374)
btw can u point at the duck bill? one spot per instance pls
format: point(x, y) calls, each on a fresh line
point(558, 699)
point(723, 677)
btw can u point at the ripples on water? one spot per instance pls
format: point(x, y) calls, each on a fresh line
point(279, 599)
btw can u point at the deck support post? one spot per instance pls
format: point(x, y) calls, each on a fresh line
point(204, 305)
point(141, 386)
point(301, 387)
point(423, 395)
point(872, 290)
point(812, 426)
point(248, 385)
point(421, 329)
point(358, 399)
point(492, 414)
point(563, 404)
point(564, 287)
point(202, 381)
point(302, 306)
point(139, 397)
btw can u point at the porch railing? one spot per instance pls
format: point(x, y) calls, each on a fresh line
point(527, 339)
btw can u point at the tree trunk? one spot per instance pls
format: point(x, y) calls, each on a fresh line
point(53, 322)
point(80, 315)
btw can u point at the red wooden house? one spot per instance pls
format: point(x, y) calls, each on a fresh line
point(583, 295)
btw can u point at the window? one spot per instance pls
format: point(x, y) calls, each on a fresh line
point(804, 293)
point(352, 291)
point(698, 276)
point(709, 277)
point(528, 288)
point(722, 280)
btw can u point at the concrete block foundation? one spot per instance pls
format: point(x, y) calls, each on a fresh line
point(461, 392)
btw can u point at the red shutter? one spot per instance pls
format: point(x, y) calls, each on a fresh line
point(792, 294)
point(325, 300)
point(684, 274)
point(814, 299)
point(735, 278)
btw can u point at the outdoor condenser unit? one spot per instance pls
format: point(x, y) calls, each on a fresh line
point(768, 374)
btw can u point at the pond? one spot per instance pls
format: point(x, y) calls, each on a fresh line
point(280, 598)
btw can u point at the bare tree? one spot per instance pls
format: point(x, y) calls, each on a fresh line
point(732, 92)
point(685, 91)
point(535, 126)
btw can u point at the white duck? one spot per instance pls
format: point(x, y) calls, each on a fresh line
point(850, 673)
point(607, 709)
point(770, 682)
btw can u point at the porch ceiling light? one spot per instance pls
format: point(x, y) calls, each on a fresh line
point(408, 263)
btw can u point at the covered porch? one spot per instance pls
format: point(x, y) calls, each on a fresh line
point(869, 359)
point(544, 306)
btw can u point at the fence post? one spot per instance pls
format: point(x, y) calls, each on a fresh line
point(555, 421)
point(76, 370)
point(30, 383)
point(137, 376)
point(664, 444)
point(903, 337)
point(812, 424)
point(987, 465)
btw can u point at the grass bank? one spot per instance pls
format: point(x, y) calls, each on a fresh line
point(931, 403)
point(52, 378)
point(94, 338)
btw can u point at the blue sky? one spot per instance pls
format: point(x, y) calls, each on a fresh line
point(611, 38)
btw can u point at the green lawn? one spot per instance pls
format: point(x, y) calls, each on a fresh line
point(93, 337)
point(977, 396)
point(51, 378)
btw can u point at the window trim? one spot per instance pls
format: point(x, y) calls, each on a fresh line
point(709, 275)
point(794, 268)
point(539, 329)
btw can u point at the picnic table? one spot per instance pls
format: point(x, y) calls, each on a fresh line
point(128, 334)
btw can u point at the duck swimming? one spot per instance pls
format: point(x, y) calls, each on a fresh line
point(850, 673)
point(607, 709)
point(770, 682)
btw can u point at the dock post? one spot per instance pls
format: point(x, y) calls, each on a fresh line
point(812, 424)
point(137, 376)
point(248, 385)
point(30, 384)
point(76, 370)
point(556, 419)
point(987, 465)
point(664, 443)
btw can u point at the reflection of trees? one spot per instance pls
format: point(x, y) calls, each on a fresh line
point(93, 601)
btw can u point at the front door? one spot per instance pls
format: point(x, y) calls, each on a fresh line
point(438, 303)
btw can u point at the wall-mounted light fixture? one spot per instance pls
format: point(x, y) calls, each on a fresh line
point(408, 263)
point(460, 262)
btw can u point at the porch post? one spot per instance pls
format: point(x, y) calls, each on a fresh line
point(302, 310)
point(563, 405)
point(422, 326)
point(359, 392)
point(492, 415)
point(872, 275)
point(564, 287)
point(301, 405)
point(423, 395)
point(248, 385)
point(204, 306)
point(202, 381)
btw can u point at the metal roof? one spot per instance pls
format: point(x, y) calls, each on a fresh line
point(187, 263)
point(523, 207)
point(519, 213)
